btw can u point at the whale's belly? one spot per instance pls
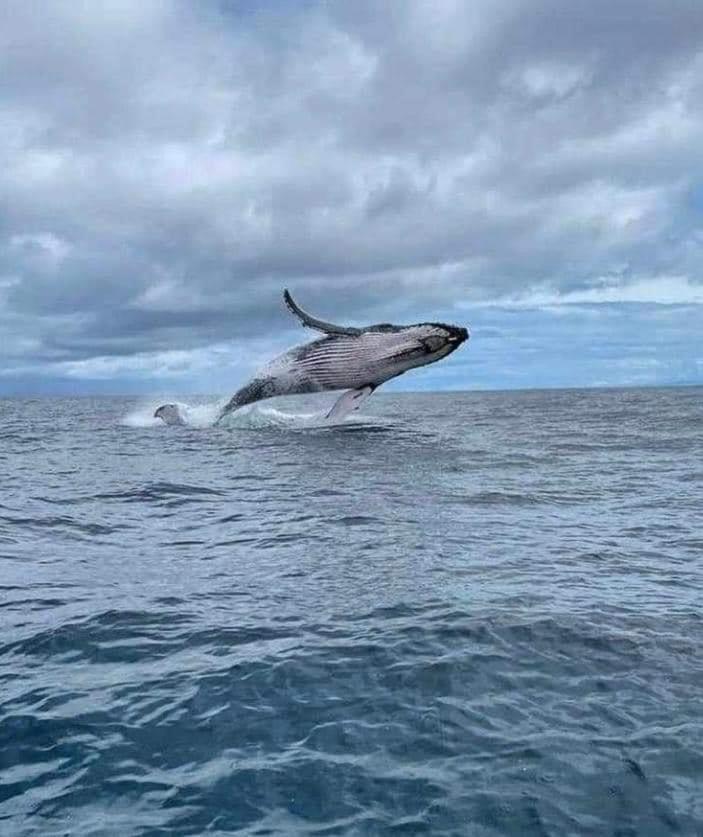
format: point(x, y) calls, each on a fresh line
point(340, 362)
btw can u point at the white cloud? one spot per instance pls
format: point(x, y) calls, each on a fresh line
point(665, 290)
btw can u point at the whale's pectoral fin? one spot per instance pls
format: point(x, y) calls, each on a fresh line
point(313, 322)
point(350, 401)
point(170, 414)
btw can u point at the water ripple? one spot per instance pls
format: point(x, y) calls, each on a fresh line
point(469, 614)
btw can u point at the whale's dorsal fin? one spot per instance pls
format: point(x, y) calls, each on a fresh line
point(313, 322)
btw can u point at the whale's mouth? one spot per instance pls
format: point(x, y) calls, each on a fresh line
point(458, 336)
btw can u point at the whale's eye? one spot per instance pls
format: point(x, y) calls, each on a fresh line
point(433, 343)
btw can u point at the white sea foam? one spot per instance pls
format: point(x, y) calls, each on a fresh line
point(194, 415)
point(253, 416)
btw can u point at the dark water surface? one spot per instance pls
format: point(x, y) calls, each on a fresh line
point(475, 614)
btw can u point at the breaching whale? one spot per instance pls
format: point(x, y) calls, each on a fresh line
point(358, 360)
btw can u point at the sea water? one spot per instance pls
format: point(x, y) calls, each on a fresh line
point(453, 614)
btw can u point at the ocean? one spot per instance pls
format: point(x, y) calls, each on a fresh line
point(455, 614)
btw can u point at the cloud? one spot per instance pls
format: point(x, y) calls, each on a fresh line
point(171, 165)
point(662, 290)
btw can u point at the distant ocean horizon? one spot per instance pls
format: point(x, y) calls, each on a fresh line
point(457, 613)
point(190, 393)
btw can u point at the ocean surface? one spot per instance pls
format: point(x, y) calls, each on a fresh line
point(457, 614)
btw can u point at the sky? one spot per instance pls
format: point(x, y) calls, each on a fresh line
point(532, 169)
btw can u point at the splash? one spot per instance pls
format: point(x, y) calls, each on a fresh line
point(194, 415)
point(251, 417)
point(258, 417)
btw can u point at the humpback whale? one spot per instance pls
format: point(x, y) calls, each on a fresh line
point(357, 360)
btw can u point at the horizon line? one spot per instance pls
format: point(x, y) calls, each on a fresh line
point(158, 394)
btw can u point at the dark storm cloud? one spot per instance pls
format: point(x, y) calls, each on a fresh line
point(169, 166)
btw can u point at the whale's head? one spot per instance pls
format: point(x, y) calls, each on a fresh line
point(410, 346)
point(433, 341)
point(439, 339)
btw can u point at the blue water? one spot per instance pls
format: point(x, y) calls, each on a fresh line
point(464, 614)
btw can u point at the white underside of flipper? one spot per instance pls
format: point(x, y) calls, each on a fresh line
point(348, 402)
point(171, 414)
